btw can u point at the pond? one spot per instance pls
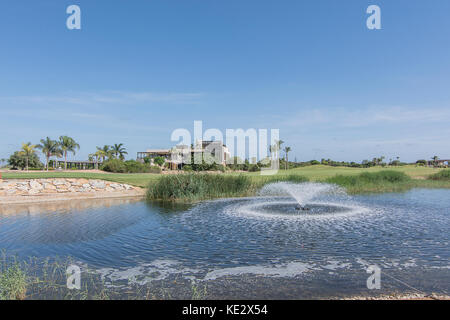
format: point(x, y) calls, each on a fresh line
point(270, 247)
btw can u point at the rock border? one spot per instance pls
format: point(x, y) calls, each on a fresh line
point(58, 189)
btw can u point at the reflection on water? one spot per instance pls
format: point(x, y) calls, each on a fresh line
point(63, 206)
point(168, 206)
point(260, 242)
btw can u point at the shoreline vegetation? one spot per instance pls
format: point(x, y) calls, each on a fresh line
point(192, 187)
point(35, 279)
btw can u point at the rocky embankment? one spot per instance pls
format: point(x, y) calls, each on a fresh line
point(29, 190)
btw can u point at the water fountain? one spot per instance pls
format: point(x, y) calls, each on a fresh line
point(298, 200)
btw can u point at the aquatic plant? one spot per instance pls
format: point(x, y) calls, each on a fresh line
point(13, 283)
point(203, 186)
point(441, 175)
point(198, 186)
point(382, 181)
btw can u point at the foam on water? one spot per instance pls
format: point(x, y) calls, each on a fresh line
point(255, 210)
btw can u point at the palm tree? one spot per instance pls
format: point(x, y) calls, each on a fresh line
point(435, 159)
point(92, 157)
point(67, 144)
point(103, 153)
point(286, 151)
point(49, 148)
point(275, 147)
point(27, 151)
point(118, 151)
point(379, 160)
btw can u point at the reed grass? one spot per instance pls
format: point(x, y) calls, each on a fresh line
point(198, 186)
point(191, 187)
point(443, 175)
point(368, 182)
point(36, 278)
point(13, 283)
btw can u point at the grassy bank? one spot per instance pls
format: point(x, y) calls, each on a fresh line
point(422, 177)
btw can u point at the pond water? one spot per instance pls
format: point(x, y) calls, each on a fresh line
point(260, 247)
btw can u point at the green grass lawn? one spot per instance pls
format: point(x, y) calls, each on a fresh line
point(313, 173)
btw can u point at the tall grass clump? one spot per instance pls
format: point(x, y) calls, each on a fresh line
point(13, 283)
point(198, 186)
point(382, 181)
point(443, 175)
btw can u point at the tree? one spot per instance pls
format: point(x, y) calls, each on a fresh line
point(27, 151)
point(275, 147)
point(378, 161)
point(421, 162)
point(103, 153)
point(19, 161)
point(118, 151)
point(49, 148)
point(279, 143)
point(92, 157)
point(435, 160)
point(67, 144)
point(159, 161)
point(286, 151)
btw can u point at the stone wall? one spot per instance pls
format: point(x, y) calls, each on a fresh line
point(32, 187)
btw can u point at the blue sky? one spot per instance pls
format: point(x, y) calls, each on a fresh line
point(137, 70)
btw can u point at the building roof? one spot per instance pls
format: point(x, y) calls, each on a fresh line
point(157, 151)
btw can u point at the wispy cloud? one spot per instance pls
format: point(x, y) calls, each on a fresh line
point(373, 116)
point(103, 99)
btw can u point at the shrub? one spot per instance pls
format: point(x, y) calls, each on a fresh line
point(133, 166)
point(421, 162)
point(114, 165)
point(130, 166)
point(187, 167)
point(441, 175)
